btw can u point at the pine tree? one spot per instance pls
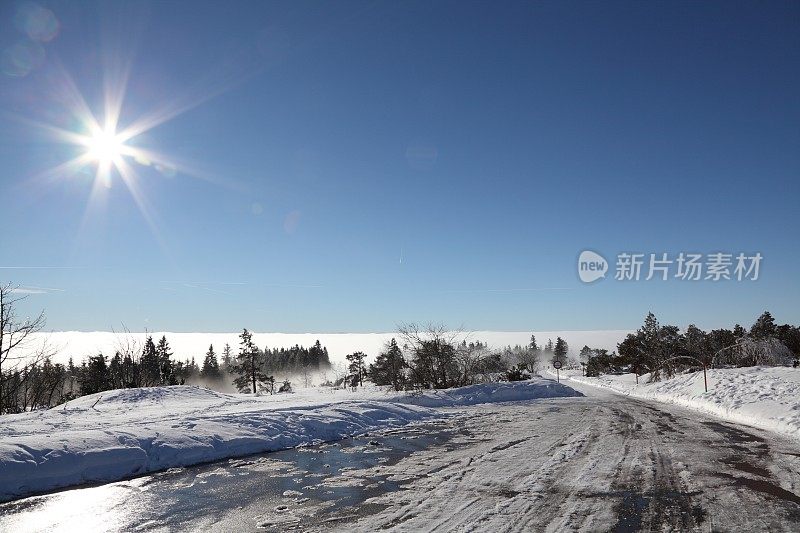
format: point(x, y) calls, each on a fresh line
point(357, 368)
point(94, 375)
point(317, 356)
point(115, 372)
point(163, 354)
point(560, 350)
point(388, 367)
point(599, 361)
point(764, 327)
point(548, 348)
point(227, 358)
point(790, 336)
point(650, 335)
point(248, 365)
point(269, 384)
point(695, 343)
point(532, 345)
point(630, 353)
point(326, 360)
point(192, 369)
point(210, 365)
point(150, 365)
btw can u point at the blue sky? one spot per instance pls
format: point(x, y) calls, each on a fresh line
point(342, 167)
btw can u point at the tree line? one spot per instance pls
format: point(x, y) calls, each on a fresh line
point(420, 357)
point(30, 380)
point(433, 357)
point(664, 350)
point(254, 368)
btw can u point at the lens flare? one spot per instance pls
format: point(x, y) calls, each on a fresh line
point(109, 143)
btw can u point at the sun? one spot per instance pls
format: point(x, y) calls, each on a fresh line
point(105, 146)
point(113, 152)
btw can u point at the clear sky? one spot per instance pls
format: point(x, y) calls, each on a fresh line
point(345, 166)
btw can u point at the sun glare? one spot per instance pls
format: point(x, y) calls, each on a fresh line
point(108, 147)
point(104, 147)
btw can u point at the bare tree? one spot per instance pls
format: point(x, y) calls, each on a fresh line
point(433, 360)
point(306, 372)
point(17, 337)
point(473, 359)
point(339, 374)
point(527, 356)
point(130, 349)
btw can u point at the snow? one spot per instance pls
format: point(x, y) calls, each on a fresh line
point(763, 397)
point(118, 434)
point(602, 462)
point(490, 393)
point(599, 462)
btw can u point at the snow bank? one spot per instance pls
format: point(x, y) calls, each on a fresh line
point(763, 397)
point(492, 392)
point(118, 434)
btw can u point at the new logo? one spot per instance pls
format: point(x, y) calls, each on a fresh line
point(591, 266)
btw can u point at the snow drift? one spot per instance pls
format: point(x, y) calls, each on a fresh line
point(763, 397)
point(490, 393)
point(123, 433)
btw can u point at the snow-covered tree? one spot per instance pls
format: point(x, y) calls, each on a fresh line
point(767, 351)
point(585, 353)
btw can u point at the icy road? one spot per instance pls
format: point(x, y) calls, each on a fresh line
point(602, 462)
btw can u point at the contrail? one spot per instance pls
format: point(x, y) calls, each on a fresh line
point(209, 289)
point(35, 290)
point(35, 267)
point(538, 289)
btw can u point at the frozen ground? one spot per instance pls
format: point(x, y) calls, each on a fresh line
point(764, 397)
point(603, 462)
point(119, 434)
point(599, 462)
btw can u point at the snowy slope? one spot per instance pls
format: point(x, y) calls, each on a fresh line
point(123, 433)
point(764, 397)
